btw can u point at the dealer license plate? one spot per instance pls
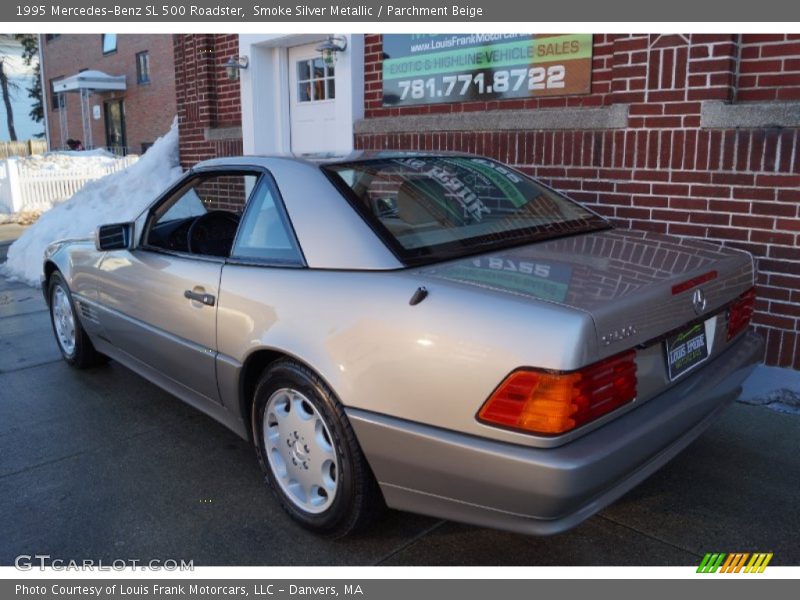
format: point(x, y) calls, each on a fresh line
point(686, 350)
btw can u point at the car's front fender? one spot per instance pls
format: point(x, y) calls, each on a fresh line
point(77, 261)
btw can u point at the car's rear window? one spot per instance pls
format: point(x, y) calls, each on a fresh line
point(429, 208)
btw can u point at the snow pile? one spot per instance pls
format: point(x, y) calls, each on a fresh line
point(773, 387)
point(85, 160)
point(119, 197)
point(782, 400)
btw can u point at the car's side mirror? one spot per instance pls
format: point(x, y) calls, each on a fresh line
point(117, 236)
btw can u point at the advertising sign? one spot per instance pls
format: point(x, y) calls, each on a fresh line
point(432, 69)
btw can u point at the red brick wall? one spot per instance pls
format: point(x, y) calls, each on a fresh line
point(149, 108)
point(207, 99)
point(769, 67)
point(739, 187)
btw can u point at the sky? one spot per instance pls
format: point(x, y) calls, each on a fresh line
point(21, 74)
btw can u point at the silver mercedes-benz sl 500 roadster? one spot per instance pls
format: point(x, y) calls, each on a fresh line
point(438, 333)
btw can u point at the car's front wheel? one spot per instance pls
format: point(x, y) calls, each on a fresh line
point(72, 340)
point(309, 452)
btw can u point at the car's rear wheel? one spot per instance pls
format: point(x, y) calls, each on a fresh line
point(72, 340)
point(309, 452)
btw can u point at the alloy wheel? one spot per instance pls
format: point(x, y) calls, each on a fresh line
point(300, 451)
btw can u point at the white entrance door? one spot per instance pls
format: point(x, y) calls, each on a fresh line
point(312, 101)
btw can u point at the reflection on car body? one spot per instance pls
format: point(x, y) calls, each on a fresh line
point(437, 333)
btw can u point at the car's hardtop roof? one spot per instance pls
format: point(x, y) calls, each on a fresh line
point(320, 158)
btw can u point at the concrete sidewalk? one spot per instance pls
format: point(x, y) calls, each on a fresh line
point(102, 464)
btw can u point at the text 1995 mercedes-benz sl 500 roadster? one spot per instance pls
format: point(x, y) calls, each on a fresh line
point(438, 333)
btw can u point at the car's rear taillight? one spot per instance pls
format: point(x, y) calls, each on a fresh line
point(740, 313)
point(553, 403)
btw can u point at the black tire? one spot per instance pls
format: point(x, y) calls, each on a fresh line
point(357, 500)
point(83, 355)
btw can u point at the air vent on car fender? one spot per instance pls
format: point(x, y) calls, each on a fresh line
point(87, 312)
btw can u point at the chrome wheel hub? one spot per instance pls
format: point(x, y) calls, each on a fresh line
point(63, 319)
point(299, 450)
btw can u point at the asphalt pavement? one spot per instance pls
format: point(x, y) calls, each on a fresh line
point(101, 464)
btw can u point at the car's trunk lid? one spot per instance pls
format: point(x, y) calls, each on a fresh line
point(638, 287)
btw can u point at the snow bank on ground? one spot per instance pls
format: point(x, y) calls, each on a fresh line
point(69, 160)
point(119, 197)
point(783, 400)
point(774, 388)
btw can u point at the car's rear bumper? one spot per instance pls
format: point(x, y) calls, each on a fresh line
point(546, 490)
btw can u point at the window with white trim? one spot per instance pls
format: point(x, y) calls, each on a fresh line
point(315, 81)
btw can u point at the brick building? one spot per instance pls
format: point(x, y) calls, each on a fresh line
point(123, 120)
point(692, 135)
point(209, 104)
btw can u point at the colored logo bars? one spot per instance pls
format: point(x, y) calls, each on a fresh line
point(735, 562)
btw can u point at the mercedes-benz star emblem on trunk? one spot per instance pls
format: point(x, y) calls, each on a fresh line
point(699, 301)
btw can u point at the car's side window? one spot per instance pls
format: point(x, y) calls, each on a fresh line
point(264, 233)
point(203, 215)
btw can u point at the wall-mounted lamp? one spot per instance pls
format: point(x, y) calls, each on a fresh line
point(331, 47)
point(234, 65)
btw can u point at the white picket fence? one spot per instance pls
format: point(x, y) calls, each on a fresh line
point(25, 189)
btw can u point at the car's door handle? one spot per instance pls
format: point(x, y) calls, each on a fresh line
point(206, 299)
